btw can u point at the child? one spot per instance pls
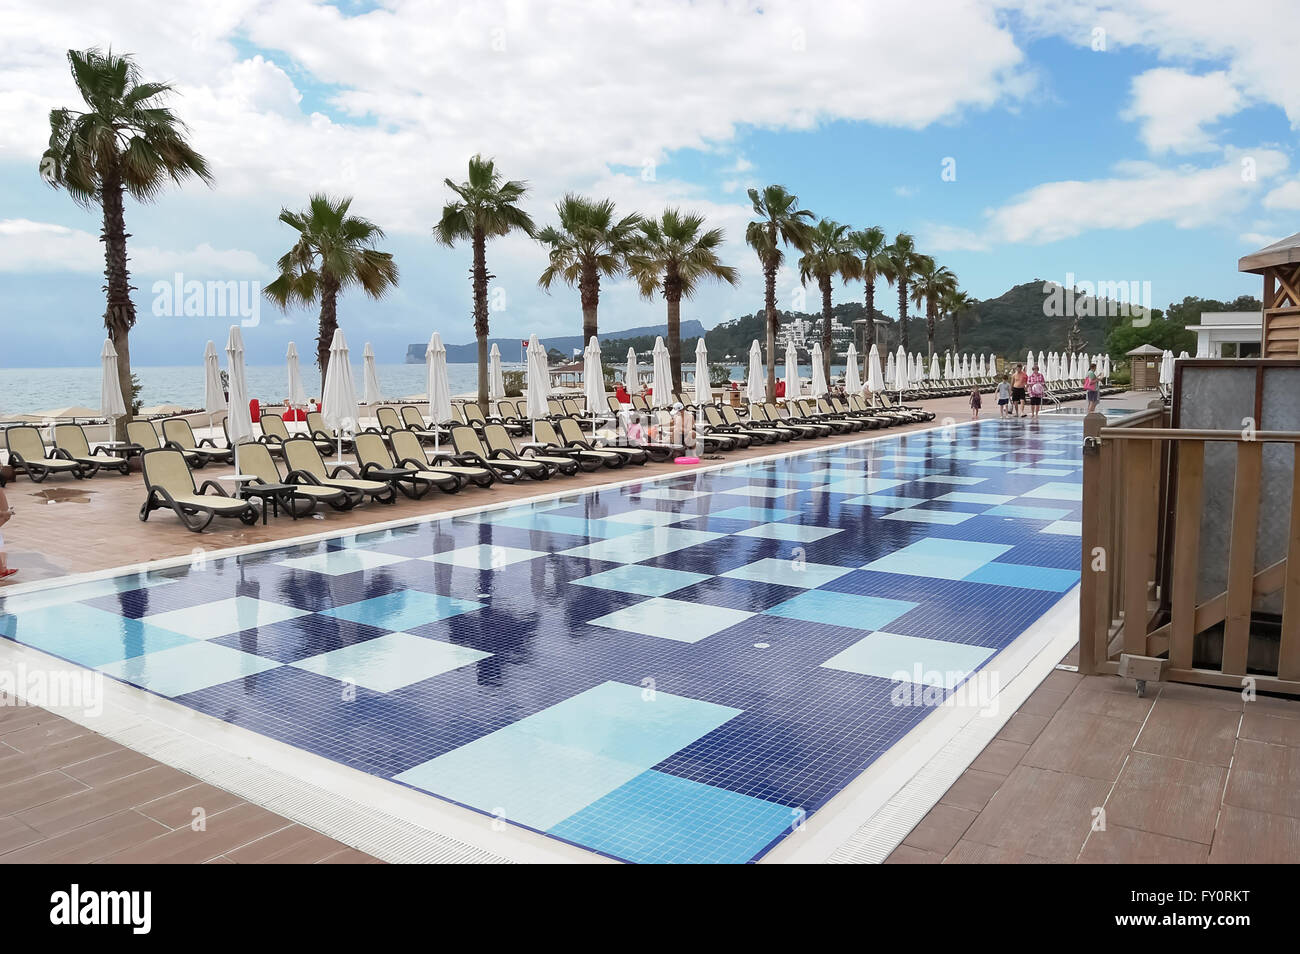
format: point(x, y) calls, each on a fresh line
point(975, 403)
point(6, 514)
point(1004, 396)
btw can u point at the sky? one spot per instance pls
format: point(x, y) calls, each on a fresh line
point(1148, 140)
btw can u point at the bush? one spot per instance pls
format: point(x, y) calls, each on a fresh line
point(514, 382)
point(719, 374)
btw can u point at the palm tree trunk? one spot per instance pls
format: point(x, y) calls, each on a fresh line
point(769, 299)
point(902, 314)
point(589, 290)
point(480, 315)
point(329, 323)
point(956, 335)
point(673, 295)
point(828, 346)
point(871, 315)
point(930, 317)
point(119, 315)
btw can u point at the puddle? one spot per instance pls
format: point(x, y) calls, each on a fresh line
point(51, 495)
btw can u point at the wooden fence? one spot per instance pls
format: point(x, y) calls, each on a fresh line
point(1143, 496)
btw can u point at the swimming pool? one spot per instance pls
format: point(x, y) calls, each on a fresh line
point(680, 670)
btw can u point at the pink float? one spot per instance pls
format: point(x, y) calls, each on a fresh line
point(686, 460)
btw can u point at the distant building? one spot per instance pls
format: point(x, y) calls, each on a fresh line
point(1229, 334)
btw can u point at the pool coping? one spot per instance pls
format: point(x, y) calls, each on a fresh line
point(396, 823)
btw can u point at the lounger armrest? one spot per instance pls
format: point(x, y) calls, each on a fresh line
point(345, 469)
point(209, 442)
point(301, 477)
point(271, 439)
point(221, 491)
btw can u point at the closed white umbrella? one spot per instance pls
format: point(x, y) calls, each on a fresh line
point(703, 388)
point(1167, 368)
point(965, 366)
point(819, 386)
point(792, 387)
point(901, 378)
point(369, 377)
point(631, 379)
point(593, 380)
point(934, 367)
point(437, 386)
point(852, 380)
point(111, 404)
point(980, 368)
point(661, 382)
point(214, 395)
point(1183, 355)
point(496, 377)
point(539, 382)
point(1106, 366)
point(875, 379)
point(756, 386)
point(239, 423)
point(1042, 359)
point(339, 396)
point(297, 393)
point(891, 372)
point(947, 365)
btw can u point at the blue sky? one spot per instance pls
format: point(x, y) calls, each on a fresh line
point(1118, 163)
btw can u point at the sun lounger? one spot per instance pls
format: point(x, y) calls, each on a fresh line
point(409, 452)
point(307, 467)
point(502, 461)
point(256, 461)
point(71, 442)
point(28, 453)
point(574, 437)
point(374, 459)
point(169, 483)
point(178, 435)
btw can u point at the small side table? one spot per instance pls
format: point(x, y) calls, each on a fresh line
point(272, 497)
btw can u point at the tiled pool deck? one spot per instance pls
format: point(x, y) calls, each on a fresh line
point(676, 671)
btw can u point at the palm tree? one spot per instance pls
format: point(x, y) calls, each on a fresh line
point(487, 207)
point(588, 243)
point(929, 283)
point(334, 251)
point(781, 222)
point(830, 253)
point(674, 257)
point(869, 245)
point(953, 303)
point(898, 266)
point(125, 141)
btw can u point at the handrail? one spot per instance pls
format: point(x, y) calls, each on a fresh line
point(1137, 417)
point(1193, 434)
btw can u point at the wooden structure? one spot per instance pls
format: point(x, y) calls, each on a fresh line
point(1144, 483)
point(1145, 364)
point(1279, 263)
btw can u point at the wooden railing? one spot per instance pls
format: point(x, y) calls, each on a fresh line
point(1143, 497)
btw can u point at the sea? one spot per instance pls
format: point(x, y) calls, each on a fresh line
point(29, 390)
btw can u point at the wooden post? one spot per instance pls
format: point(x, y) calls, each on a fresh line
point(1139, 529)
point(1186, 555)
point(1241, 556)
point(1288, 653)
point(1093, 584)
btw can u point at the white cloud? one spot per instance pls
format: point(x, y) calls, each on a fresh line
point(1174, 106)
point(1286, 196)
point(27, 246)
point(952, 238)
point(1257, 240)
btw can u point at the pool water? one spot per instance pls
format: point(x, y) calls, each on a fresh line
point(680, 670)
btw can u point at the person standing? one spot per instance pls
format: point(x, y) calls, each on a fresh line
point(1090, 384)
point(1018, 381)
point(1037, 389)
point(6, 514)
point(1004, 396)
point(975, 402)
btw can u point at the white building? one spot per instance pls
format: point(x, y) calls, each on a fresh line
point(1229, 334)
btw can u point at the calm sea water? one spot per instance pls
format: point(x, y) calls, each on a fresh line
point(28, 390)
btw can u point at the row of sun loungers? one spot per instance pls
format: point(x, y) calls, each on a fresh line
point(289, 471)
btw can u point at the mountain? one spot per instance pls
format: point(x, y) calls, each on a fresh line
point(510, 347)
